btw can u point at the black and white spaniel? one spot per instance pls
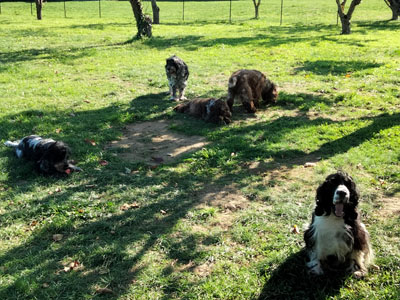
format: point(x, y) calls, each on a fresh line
point(177, 75)
point(50, 157)
point(336, 239)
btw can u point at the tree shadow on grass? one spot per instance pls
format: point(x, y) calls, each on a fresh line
point(291, 281)
point(114, 245)
point(326, 67)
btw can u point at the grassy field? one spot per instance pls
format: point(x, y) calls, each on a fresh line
point(217, 223)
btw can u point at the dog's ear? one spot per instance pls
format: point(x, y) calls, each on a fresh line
point(324, 199)
point(44, 166)
point(232, 81)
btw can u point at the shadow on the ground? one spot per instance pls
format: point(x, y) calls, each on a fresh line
point(114, 245)
point(290, 280)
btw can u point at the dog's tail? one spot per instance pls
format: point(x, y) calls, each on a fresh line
point(11, 144)
point(232, 81)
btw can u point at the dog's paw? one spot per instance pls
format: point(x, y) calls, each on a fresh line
point(359, 274)
point(174, 99)
point(183, 98)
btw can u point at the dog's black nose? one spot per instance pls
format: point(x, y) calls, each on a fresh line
point(341, 193)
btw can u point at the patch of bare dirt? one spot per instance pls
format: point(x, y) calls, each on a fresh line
point(390, 206)
point(227, 198)
point(154, 143)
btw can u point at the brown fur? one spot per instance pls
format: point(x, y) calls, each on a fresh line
point(249, 86)
point(209, 109)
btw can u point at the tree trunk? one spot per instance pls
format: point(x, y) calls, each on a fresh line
point(345, 18)
point(143, 23)
point(39, 5)
point(156, 12)
point(394, 5)
point(256, 6)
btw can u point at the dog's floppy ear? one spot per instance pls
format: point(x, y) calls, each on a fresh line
point(323, 199)
point(44, 165)
point(351, 209)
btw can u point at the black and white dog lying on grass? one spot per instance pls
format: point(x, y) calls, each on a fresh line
point(177, 74)
point(49, 156)
point(336, 239)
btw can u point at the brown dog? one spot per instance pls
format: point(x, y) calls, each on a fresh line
point(249, 86)
point(209, 109)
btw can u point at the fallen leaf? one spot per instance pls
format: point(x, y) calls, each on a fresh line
point(163, 212)
point(157, 159)
point(309, 165)
point(127, 206)
point(103, 162)
point(348, 75)
point(87, 101)
point(57, 237)
point(295, 229)
point(45, 285)
point(75, 265)
point(104, 291)
point(58, 189)
point(91, 142)
point(58, 130)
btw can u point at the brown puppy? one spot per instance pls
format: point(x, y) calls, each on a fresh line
point(209, 109)
point(249, 86)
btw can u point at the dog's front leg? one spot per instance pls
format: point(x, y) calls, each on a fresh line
point(182, 92)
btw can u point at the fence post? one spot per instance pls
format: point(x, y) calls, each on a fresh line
point(281, 12)
point(99, 10)
point(230, 11)
point(65, 11)
point(183, 10)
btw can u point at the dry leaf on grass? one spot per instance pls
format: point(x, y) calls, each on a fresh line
point(57, 237)
point(163, 212)
point(90, 141)
point(309, 165)
point(103, 291)
point(75, 266)
point(127, 206)
point(103, 162)
point(295, 229)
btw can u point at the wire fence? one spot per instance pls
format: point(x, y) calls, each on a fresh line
point(271, 11)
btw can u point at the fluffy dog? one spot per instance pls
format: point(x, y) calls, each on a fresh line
point(50, 157)
point(177, 74)
point(249, 86)
point(208, 109)
point(336, 239)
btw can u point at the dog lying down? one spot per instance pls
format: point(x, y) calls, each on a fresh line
point(209, 109)
point(50, 157)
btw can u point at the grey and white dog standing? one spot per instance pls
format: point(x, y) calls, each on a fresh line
point(177, 73)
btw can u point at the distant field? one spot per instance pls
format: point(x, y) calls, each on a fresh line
point(215, 223)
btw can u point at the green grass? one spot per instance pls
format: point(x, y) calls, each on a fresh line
point(82, 77)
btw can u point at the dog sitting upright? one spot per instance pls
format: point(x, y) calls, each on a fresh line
point(177, 74)
point(208, 109)
point(336, 238)
point(50, 157)
point(249, 86)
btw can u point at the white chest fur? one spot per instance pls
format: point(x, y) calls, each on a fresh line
point(331, 237)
